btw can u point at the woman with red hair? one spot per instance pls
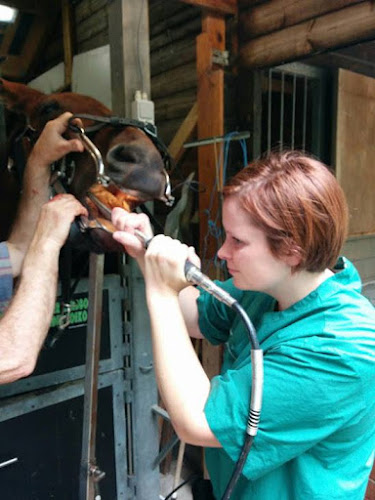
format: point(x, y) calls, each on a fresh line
point(285, 221)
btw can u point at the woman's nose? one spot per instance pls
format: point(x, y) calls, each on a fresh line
point(222, 253)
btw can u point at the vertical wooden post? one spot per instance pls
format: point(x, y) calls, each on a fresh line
point(210, 100)
point(210, 123)
point(67, 28)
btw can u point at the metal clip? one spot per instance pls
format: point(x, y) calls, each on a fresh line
point(220, 57)
point(64, 320)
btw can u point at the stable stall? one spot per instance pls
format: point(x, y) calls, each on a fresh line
point(226, 81)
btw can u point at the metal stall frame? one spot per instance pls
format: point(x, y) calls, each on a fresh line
point(115, 296)
point(26, 403)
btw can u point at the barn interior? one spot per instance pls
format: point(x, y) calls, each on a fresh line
point(227, 81)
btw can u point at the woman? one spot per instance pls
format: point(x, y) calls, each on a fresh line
point(285, 219)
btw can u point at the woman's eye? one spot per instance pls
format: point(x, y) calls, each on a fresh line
point(237, 241)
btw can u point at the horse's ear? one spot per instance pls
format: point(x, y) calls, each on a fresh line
point(19, 97)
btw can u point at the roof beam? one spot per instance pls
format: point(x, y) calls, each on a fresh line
point(218, 6)
point(336, 29)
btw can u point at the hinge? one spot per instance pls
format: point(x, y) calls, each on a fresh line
point(132, 485)
point(128, 373)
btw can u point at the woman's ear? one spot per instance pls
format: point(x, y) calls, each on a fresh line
point(294, 257)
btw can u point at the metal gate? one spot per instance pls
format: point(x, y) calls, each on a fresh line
point(294, 109)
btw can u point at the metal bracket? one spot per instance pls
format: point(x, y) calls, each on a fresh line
point(220, 57)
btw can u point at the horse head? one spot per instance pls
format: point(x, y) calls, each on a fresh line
point(134, 160)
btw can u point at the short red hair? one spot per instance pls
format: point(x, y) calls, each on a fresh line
point(298, 203)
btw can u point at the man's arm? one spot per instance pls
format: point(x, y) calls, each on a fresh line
point(50, 147)
point(26, 322)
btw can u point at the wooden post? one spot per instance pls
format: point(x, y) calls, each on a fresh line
point(217, 6)
point(67, 29)
point(210, 97)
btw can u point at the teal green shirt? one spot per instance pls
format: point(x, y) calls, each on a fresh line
point(316, 437)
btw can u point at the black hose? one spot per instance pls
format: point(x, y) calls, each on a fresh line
point(254, 413)
point(239, 466)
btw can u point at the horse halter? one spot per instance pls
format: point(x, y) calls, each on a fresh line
point(117, 122)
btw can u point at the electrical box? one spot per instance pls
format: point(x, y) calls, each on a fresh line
point(143, 108)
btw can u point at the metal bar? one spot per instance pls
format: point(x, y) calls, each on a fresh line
point(161, 412)
point(304, 114)
point(269, 121)
point(282, 97)
point(88, 458)
point(27, 403)
point(9, 462)
point(294, 109)
point(164, 452)
point(220, 138)
point(119, 437)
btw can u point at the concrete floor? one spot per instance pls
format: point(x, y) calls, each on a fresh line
point(167, 485)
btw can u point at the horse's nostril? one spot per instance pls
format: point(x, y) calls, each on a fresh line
point(121, 153)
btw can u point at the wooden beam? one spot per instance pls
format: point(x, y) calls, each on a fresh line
point(67, 29)
point(338, 59)
point(17, 67)
point(183, 134)
point(280, 14)
point(244, 4)
point(210, 96)
point(217, 6)
point(349, 25)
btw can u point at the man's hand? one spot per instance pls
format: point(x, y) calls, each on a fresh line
point(55, 219)
point(51, 145)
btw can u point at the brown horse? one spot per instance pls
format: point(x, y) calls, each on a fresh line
point(134, 159)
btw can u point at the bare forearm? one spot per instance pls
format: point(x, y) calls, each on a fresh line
point(183, 384)
point(35, 193)
point(26, 322)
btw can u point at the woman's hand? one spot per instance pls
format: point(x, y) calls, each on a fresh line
point(165, 264)
point(126, 223)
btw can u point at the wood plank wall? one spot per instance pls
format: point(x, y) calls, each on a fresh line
point(174, 27)
point(276, 31)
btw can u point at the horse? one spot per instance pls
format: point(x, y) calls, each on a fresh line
point(134, 160)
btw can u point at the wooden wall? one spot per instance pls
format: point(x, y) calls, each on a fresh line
point(174, 26)
point(276, 31)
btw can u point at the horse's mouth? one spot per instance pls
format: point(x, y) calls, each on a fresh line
point(100, 201)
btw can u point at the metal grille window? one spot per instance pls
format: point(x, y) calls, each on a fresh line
point(293, 104)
